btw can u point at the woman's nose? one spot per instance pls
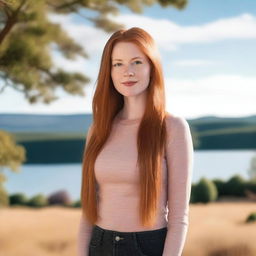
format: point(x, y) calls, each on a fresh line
point(128, 71)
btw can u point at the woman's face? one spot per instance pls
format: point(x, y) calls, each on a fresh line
point(129, 64)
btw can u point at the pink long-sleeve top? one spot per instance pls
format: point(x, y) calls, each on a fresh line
point(118, 180)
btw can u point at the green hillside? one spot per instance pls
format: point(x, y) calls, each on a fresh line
point(209, 133)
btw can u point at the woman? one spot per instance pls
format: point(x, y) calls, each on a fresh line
point(138, 158)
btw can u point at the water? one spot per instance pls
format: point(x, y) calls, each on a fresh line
point(46, 179)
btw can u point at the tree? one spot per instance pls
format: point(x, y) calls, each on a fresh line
point(27, 34)
point(205, 191)
point(11, 155)
point(27, 37)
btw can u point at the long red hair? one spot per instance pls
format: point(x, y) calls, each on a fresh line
point(107, 102)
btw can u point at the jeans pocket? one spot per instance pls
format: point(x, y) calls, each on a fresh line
point(141, 246)
point(151, 246)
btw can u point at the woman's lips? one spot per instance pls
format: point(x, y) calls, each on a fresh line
point(129, 84)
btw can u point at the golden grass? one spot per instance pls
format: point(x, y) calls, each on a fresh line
point(215, 229)
point(218, 229)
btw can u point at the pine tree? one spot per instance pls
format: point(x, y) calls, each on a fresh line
point(27, 34)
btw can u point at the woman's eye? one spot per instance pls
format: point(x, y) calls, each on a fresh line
point(116, 64)
point(137, 61)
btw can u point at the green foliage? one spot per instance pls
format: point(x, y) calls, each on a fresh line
point(235, 186)
point(38, 201)
point(220, 185)
point(4, 199)
point(205, 191)
point(18, 199)
point(28, 35)
point(11, 155)
point(251, 217)
point(77, 204)
point(250, 185)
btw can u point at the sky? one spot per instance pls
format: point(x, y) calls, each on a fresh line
point(208, 54)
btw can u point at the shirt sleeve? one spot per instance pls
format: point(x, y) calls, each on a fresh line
point(85, 227)
point(179, 158)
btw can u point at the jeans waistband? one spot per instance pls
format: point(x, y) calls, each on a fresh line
point(147, 233)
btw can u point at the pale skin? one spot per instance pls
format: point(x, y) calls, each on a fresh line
point(130, 64)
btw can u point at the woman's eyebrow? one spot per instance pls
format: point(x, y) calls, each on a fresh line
point(131, 58)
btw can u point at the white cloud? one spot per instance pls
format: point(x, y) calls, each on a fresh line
point(192, 63)
point(221, 95)
point(167, 34)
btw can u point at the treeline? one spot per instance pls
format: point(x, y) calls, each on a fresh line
point(206, 190)
point(71, 150)
point(61, 198)
point(54, 151)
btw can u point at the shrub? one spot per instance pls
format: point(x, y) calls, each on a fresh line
point(220, 185)
point(192, 196)
point(18, 199)
point(205, 191)
point(235, 186)
point(4, 199)
point(60, 198)
point(251, 217)
point(38, 201)
point(76, 204)
point(250, 185)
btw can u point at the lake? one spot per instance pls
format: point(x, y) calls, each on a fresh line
point(45, 179)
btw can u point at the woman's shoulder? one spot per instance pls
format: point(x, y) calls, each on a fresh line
point(175, 121)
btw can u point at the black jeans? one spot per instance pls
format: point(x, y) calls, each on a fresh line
point(106, 242)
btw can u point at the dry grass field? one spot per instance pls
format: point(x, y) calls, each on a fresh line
point(216, 229)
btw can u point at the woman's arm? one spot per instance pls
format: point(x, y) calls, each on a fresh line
point(85, 228)
point(179, 157)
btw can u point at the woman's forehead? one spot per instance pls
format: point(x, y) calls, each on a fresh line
point(126, 51)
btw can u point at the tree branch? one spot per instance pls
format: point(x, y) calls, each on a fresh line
point(11, 21)
point(7, 11)
point(67, 5)
point(8, 82)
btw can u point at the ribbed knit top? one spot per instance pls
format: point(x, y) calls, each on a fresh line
point(117, 176)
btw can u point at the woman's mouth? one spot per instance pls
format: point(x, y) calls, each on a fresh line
point(129, 83)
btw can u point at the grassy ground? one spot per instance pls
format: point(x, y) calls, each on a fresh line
point(215, 229)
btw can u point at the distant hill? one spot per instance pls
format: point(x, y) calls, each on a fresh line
point(45, 123)
point(61, 138)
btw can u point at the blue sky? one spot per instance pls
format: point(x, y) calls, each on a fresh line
point(208, 51)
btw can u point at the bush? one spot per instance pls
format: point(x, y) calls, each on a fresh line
point(18, 199)
point(220, 185)
point(38, 201)
point(4, 199)
point(251, 185)
point(76, 204)
point(251, 217)
point(205, 191)
point(60, 198)
point(235, 186)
